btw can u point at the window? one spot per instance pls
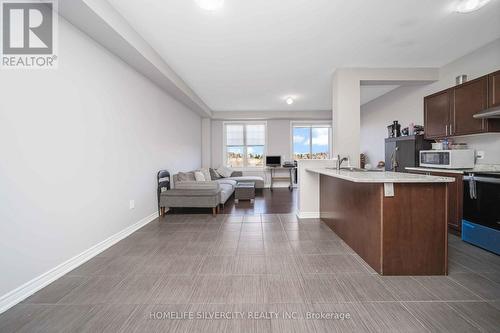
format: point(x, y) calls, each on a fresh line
point(244, 144)
point(311, 141)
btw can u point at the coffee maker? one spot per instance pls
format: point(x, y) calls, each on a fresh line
point(394, 130)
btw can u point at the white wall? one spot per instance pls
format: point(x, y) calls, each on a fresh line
point(406, 105)
point(76, 143)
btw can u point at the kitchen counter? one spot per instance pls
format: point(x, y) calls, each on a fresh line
point(477, 168)
point(380, 177)
point(396, 222)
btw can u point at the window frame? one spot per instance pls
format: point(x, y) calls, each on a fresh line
point(312, 124)
point(224, 143)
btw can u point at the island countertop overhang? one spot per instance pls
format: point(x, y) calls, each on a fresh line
point(380, 177)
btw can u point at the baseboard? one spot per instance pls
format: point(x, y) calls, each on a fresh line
point(308, 215)
point(29, 288)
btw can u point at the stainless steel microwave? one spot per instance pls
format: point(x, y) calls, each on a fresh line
point(447, 159)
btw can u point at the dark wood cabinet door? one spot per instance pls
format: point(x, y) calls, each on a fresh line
point(469, 99)
point(494, 89)
point(437, 114)
point(455, 199)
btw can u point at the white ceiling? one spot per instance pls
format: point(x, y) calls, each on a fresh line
point(253, 53)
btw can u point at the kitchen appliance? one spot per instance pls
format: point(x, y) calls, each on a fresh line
point(481, 219)
point(403, 152)
point(394, 130)
point(493, 112)
point(447, 159)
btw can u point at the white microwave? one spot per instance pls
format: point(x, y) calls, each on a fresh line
point(447, 159)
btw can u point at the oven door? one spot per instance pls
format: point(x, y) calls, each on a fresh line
point(482, 200)
point(435, 159)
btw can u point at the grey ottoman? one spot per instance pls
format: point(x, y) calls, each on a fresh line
point(244, 191)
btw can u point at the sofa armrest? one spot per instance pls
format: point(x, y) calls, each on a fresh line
point(193, 185)
point(237, 174)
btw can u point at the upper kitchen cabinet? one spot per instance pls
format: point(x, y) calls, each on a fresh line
point(450, 112)
point(469, 98)
point(494, 89)
point(437, 108)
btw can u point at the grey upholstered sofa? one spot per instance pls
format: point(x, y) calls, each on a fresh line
point(204, 194)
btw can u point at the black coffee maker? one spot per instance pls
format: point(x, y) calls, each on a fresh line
point(394, 130)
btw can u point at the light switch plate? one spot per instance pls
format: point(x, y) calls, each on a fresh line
point(388, 189)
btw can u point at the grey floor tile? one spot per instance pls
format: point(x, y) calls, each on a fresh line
point(250, 265)
point(274, 247)
point(120, 266)
point(58, 318)
point(445, 288)
point(251, 227)
point(390, 317)
point(324, 288)
point(252, 219)
point(285, 289)
point(482, 314)
point(364, 287)
point(251, 247)
point(104, 318)
point(282, 265)
point(155, 265)
point(404, 288)
point(495, 277)
point(57, 290)
point(246, 289)
point(225, 248)
point(314, 264)
point(481, 286)
point(231, 227)
point(439, 317)
point(184, 265)
point(94, 291)
point(173, 289)
point(170, 247)
point(217, 265)
point(134, 289)
point(20, 315)
point(210, 289)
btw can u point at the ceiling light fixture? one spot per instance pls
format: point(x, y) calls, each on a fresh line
point(289, 100)
point(210, 5)
point(467, 6)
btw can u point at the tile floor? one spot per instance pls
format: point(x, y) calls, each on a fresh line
point(272, 265)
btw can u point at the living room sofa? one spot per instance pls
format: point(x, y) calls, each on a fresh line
point(187, 192)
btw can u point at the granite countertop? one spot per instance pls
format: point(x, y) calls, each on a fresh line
point(477, 168)
point(380, 177)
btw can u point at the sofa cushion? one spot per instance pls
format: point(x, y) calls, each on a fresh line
point(226, 192)
point(259, 181)
point(224, 171)
point(185, 176)
point(214, 174)
point(227, 181)
point(199, 176)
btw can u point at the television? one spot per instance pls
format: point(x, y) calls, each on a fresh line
point(273, 161)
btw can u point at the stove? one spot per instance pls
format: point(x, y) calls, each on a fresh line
point(481, 221)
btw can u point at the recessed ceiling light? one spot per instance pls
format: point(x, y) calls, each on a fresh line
point(289, 100)
point(467, 6)
point(210, 4)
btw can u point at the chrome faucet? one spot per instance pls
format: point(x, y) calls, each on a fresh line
point(340, 161)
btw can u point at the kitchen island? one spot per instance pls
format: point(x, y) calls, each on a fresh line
point(396, 222)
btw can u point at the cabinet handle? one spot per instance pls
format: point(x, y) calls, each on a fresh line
point(451, 129)
point(446, 130)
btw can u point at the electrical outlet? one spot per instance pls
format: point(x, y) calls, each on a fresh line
point(132, 204)
point(480, 154)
